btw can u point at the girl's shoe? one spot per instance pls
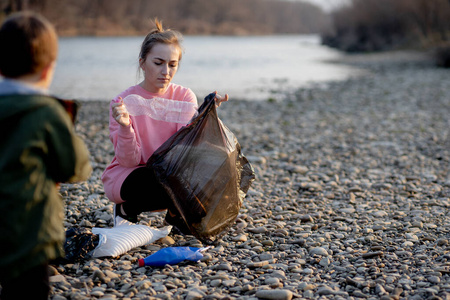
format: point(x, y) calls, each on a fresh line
point(178, 224)
point(118, 212)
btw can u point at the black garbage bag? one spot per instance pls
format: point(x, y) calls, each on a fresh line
point(79, 244)
point(205, 175)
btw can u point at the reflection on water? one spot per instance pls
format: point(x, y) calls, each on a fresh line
point(92, 68)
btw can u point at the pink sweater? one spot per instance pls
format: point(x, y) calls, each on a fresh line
point(133, 145)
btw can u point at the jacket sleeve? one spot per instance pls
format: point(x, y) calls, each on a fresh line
point(68, 156)
point(126, 147)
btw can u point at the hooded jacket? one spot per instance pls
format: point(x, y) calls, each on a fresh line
point(38, 149)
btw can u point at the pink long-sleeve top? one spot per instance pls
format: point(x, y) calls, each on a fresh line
point(133, 145)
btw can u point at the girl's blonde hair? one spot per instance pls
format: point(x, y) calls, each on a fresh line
point(160, 35)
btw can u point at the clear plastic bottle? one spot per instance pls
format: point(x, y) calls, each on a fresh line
point(161, 109)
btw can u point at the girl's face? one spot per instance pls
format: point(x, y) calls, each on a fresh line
point(159, 67)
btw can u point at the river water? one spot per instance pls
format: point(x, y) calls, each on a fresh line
point(255, 68)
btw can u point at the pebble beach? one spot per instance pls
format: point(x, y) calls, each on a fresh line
point(351, 198)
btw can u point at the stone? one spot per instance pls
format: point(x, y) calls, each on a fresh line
point(318, 251)
point(274, 294)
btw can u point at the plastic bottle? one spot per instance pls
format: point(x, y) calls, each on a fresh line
point(161, 109)
point(172, 256)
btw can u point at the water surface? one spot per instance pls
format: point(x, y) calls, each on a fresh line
point(98, 68)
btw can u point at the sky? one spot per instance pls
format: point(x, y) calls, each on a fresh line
point(328, 5)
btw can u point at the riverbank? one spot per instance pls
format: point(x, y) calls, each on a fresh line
point(351, 199)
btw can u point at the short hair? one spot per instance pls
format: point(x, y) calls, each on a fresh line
point(159, 35)
point(29, 43)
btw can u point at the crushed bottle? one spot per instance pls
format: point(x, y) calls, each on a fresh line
point(161, 109)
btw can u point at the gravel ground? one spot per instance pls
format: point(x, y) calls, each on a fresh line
point(351, 199)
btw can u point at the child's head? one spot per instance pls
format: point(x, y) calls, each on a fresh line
point(28, 45)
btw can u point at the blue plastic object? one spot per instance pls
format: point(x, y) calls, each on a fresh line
point(172, 256)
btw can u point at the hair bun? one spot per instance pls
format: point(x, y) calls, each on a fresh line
point(159, 26)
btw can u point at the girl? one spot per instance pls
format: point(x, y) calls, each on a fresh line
point(126, 180)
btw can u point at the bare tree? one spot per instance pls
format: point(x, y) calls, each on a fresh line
point(108, 17)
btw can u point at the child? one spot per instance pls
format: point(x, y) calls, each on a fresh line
point(38, 150)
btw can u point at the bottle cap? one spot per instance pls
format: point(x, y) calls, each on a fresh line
point(141, 262)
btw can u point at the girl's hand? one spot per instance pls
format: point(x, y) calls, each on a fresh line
point(120, 113)
point(219, 99)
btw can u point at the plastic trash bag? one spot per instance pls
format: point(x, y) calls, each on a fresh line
point(205, 175)
point(172, 256)
point(79, 244)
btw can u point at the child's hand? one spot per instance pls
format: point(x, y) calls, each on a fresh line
point(120, 113)
point(219, 99)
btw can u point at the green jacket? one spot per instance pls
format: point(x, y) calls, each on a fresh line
point(38, 148)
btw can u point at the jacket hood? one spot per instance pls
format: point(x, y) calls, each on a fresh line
point(13, 106)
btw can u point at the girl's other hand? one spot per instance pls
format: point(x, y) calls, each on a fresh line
point(219, 99)
point(120, 113)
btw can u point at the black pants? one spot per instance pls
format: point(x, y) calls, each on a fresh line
point(32, 284)
point(142, 192)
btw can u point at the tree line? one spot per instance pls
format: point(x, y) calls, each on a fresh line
point(374, 25)
point(379, 25)
point(194, 17)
